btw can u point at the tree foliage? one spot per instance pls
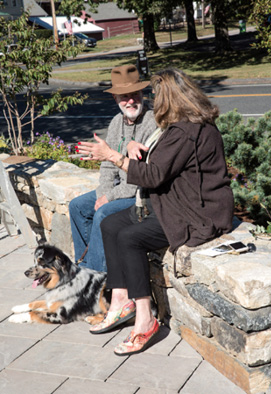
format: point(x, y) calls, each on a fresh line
point(238, 9)
point(71, 7)
point(259, 16)
point(24, 66)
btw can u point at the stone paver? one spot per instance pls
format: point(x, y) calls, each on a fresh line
point(86, 386)
point(210, 381)
point(149, 390)
point(11, 348)
point(84, 361)
point(47, 359)
point(6, 246)
point(156, 371)
point(32, 331)
point(20, 382)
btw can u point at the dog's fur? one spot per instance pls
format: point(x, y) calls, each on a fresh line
point(72, 292)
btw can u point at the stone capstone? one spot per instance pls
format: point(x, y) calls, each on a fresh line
point(246, 280)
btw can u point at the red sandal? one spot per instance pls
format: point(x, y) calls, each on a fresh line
point(137, 343)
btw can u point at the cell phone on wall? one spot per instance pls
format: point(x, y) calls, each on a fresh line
point(227, 247)
point(234, 246)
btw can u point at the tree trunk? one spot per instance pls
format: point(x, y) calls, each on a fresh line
point(150, 43)
point(10, 123)
point(191, 26)
point(14, 146)
point(222, 41)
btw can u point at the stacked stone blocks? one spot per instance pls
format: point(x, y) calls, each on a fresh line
point(221, 306)
point(45, 189)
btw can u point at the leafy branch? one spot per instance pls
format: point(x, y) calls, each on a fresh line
point(26, 62)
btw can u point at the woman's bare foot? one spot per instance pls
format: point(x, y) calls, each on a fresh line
point(119, 299)
point(144, 317)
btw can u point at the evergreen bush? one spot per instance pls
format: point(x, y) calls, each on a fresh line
point(247, 150)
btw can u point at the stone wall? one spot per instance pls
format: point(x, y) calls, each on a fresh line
point(221, 305)
point(45, 189)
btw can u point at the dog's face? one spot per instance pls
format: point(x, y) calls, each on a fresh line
point(51, 267)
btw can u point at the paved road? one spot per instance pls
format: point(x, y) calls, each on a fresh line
point(47, 359)
point(251, 98)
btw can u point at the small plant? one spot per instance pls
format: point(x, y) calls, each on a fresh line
point(46, 146)
point(5, 146)
point(262, 231)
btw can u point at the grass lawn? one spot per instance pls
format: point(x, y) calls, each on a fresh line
point(200, 61)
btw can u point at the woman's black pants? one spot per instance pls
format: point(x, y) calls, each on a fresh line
point(126, 246)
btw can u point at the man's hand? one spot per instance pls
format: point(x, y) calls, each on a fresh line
point(133, 149)
point(100, 202)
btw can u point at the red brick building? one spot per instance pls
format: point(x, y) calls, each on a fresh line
point(113, 20)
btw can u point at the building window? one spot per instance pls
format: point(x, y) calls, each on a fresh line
point(14, 3)
point(5, 2)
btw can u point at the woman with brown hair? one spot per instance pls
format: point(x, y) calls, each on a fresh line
point(184, 197)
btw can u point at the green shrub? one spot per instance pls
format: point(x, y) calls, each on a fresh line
point(247, 149)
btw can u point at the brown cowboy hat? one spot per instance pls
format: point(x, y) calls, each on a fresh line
point(125, 79)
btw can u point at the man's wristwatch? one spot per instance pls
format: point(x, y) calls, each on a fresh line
point(119, 163)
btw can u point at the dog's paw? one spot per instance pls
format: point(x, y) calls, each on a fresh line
point(20, 308)
point(20, 318)
point(94, 319)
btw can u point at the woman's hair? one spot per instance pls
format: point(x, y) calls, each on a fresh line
point(177, 98)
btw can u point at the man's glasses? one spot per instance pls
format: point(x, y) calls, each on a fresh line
point(128, 96)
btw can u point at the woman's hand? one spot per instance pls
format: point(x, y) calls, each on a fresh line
point(133, 149)
point(99, 150)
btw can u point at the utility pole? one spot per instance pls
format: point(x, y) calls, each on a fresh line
point(54, 22)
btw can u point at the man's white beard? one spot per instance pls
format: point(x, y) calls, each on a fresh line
point(134, 115)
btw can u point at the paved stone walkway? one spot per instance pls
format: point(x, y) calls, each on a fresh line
point(46, 359)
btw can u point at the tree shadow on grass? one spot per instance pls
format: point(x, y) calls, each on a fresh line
point(206, 61)
point(201, 57)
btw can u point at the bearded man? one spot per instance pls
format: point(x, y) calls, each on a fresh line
point(127, 134)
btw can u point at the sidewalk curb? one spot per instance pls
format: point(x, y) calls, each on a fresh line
point(202, 82)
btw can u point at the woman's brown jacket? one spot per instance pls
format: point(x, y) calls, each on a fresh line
point(189, 187)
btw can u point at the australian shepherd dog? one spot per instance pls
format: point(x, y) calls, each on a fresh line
point(72, 292)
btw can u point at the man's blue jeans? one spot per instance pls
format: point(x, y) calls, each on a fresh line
point(85, 226)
